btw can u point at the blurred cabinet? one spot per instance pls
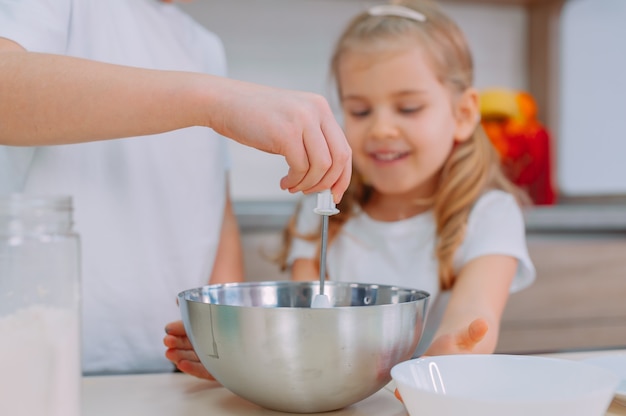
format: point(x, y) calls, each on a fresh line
point(578, 300)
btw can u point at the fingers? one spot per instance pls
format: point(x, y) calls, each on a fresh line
point(477, 330)
point(341, 170)
point(398, 396)
point(176, 355)
point(309, 160)
point(461, 342)
point(176, 336)
point(321, 158)
point(195, 369)
point(181, 352)
point(188, 362)
point(298, 162)
point(339, 188)
point(321, 161)
point(176, 328)
point(182, 343)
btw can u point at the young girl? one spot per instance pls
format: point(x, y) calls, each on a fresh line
point(428, 206)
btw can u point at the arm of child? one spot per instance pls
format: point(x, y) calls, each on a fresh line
point(305, 270)
point(471, 321)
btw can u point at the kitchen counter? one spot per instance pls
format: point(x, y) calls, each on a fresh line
point(567, 217)
point(182, 395)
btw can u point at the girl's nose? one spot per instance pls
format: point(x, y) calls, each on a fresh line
point(383, 126)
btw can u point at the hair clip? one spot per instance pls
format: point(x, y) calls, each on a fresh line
point(396, 10)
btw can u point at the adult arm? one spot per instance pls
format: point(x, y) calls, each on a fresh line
point(52, 99)
point(471, 321)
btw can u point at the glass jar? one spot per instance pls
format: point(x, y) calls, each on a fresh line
point(39, 307)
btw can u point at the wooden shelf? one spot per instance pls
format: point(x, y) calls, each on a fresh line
point(577, 301)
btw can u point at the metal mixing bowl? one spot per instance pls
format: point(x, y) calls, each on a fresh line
point(264, 342)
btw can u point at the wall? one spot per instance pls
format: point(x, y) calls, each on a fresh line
point(592, 141)
point(287, 43)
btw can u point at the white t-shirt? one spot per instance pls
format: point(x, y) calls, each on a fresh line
point(402, 253)
point(148, 210)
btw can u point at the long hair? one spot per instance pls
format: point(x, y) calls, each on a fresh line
point(473, 166)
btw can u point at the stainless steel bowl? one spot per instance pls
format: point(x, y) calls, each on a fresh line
point(265, 343)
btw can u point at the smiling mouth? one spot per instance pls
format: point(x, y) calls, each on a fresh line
point(388, 156)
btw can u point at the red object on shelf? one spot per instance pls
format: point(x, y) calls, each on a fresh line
point(523, 143)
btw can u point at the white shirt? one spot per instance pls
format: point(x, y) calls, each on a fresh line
point(148, 210)
point(402, 253)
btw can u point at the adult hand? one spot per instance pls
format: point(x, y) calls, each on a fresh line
point(181, 353)
point(298, 125)
point(462, 342)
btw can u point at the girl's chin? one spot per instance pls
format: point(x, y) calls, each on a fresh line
point(399, 188)
point(395, 190)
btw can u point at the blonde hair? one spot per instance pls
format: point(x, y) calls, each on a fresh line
point(473, 166)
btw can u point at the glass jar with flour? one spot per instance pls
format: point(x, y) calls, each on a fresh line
point(39, 307)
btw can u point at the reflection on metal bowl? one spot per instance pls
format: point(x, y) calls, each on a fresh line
point(264, 342)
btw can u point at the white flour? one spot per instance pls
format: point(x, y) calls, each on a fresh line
point(40, 363)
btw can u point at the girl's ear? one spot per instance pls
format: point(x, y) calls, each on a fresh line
point(467, 115)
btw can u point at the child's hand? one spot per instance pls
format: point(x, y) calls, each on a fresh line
point(181, 353)
point(396, 393)
point(461, 342)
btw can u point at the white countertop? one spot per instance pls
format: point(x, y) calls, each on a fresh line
point(182, 395)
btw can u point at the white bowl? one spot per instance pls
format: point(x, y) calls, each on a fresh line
point(498, 385)
point(616, 363)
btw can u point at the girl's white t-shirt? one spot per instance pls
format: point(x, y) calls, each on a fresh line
point(148, 210)
point(402, 253)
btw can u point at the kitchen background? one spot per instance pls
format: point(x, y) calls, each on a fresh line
point(287, 43)
point(569, 54)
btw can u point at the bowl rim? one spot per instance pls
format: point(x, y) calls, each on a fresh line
point(422, 295)
point(609, 378)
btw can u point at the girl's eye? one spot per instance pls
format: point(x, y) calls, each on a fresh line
point(409, 110)
point(359, 113)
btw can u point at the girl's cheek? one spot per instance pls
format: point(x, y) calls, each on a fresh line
point(349, 131)
point(354, 136)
